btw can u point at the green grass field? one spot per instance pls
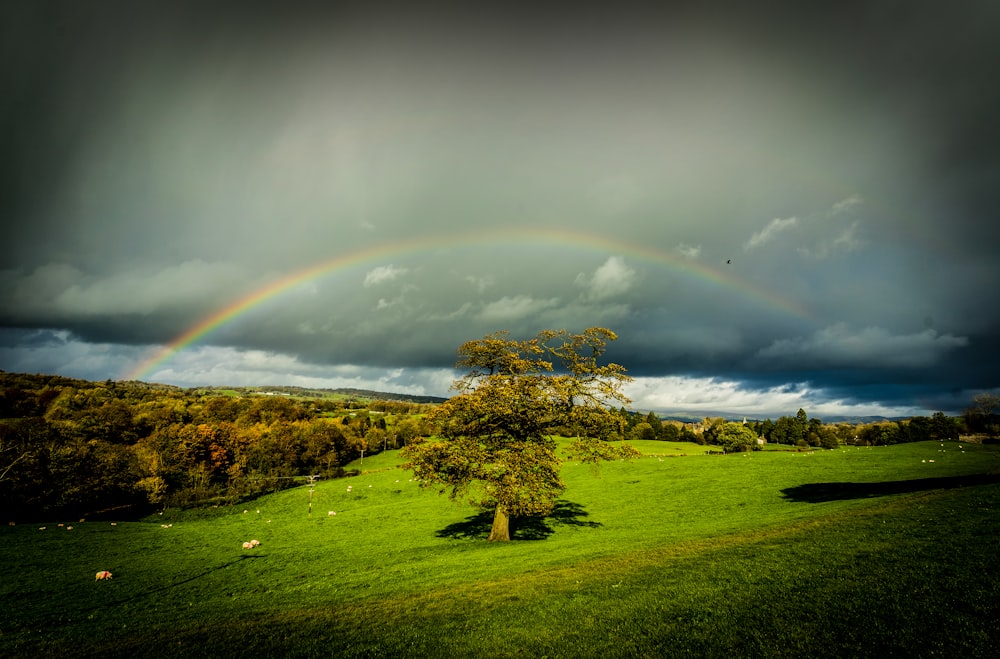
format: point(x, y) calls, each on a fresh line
point(886, 551)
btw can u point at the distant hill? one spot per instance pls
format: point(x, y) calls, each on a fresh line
point(383, 395)
point(37, 381)
point(690, 417)
point(311, 392)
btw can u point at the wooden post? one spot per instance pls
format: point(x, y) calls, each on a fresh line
point(312, 486)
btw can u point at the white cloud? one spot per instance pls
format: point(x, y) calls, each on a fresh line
point(871, 347)
point(383, 274)
point(610, 279)
point(481, 283)
point(845, 205)
point(688, 251)
point(773, 228)
point(512, 308)
point(848, 239)
point(461, 312)
point(707, 396)
point(214, 365)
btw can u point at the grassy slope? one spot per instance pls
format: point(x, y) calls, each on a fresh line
point(708, 555)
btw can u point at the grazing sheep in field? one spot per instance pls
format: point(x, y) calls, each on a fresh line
point(331, 513)
point(102, 575)
point(255, 543)
point(247, 545)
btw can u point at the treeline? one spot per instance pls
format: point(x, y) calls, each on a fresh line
point(71, 448)
point(799, 430)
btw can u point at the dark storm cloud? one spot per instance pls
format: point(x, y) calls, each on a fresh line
point(829, 173)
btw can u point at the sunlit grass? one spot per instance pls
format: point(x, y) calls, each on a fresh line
point(703, 555)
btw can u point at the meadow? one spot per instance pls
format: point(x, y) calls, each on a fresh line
point(886, 551)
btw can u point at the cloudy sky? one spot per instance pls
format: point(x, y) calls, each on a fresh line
point(774, 205)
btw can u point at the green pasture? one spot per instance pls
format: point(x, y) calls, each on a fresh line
point(887, 551)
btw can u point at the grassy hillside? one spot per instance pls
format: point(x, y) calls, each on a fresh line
point(859, 552)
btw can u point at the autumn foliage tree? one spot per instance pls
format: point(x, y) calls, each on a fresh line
point(497, 446)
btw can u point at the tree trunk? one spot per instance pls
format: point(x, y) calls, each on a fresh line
point(501, 526)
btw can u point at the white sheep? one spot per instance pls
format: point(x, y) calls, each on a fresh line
point(247, 545)
point(331, 513)
point(102, 575)
point(255, 543)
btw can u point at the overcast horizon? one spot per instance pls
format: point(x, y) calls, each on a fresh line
point(774, 205)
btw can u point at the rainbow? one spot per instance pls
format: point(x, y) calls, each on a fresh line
point(506, 237)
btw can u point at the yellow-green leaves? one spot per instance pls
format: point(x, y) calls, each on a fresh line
point(515, 394)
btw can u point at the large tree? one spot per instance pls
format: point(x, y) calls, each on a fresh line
point(736, 437)
point(979, 415)
point(496, 442)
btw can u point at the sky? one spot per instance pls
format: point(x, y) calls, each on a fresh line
point(775, 205)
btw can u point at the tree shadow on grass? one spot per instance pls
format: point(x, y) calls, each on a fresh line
point(821, 492)
point(477, 527)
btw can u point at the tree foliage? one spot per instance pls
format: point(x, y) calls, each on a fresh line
point(736, 437)
point(71, 448)
point(496, 446)
point(980, 415)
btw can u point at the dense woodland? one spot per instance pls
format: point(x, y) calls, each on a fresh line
point(72, 448)
point(76, 448)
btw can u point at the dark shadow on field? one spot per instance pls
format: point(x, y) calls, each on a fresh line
point(188, 579)
point(521, 528)
point(820, 492)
